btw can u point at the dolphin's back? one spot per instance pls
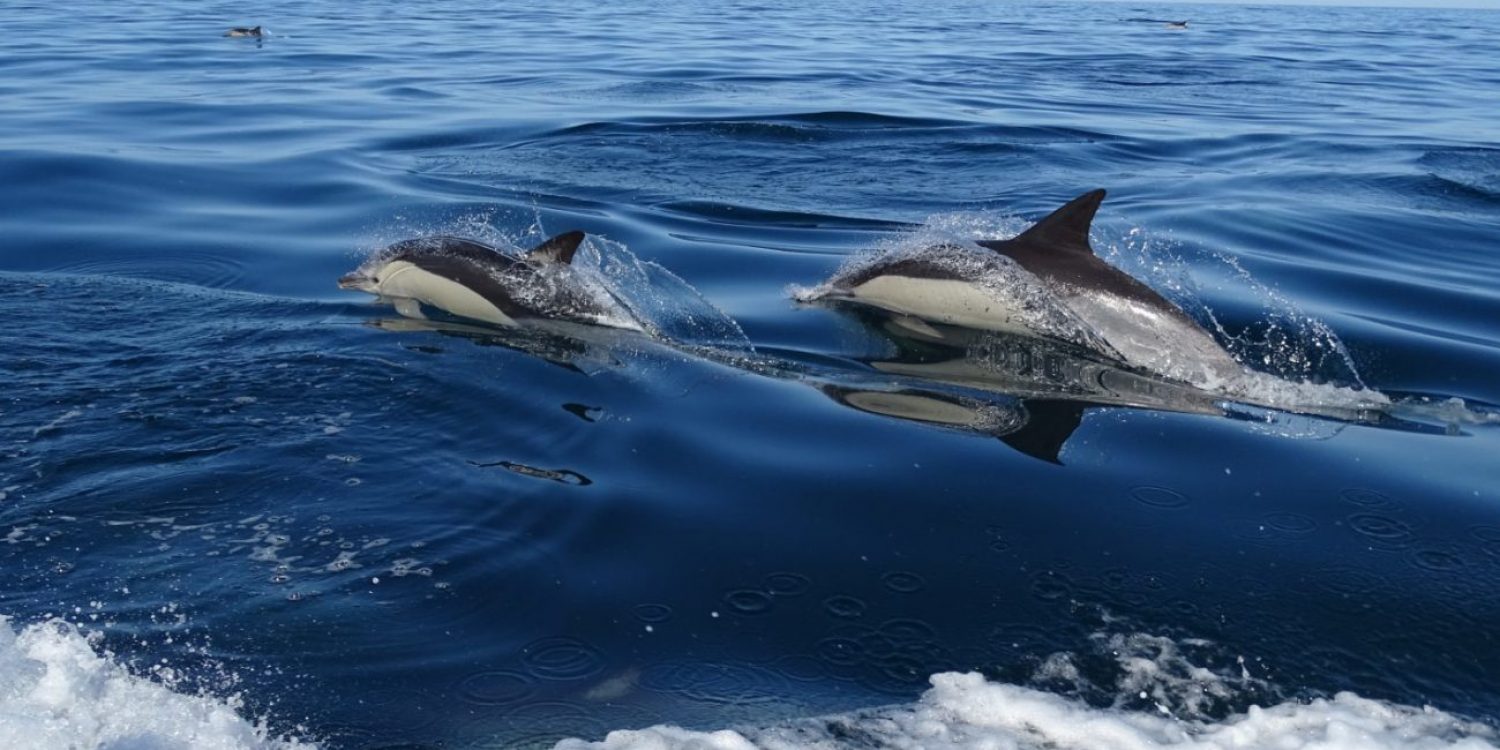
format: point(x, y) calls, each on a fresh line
point(1057, 249)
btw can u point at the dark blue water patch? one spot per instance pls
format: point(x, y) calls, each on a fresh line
point(608, 155)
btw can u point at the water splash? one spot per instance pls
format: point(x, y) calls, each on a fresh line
point(61, 692)
point(668, 307)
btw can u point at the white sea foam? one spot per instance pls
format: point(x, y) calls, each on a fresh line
point(58, 692)
point(966, 712)
point(1155, 692)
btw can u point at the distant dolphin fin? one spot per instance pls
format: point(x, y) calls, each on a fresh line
point(1047, 429)
point(1067, 228)
point(558, 249)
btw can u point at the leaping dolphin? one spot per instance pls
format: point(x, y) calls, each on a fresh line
point(1046, 282)
point(476, 281)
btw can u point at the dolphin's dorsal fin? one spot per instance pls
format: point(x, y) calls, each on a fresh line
point(558, 249)
point(1067, 228)
point(1048, 426)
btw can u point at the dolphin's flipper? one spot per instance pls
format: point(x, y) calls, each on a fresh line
point(558, 249)
point(1047, 429)
point(1066, 229)
point(409, 308)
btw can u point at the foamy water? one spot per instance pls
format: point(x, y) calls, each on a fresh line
point(965, 712)
point(59, 692)
point(1159, 692)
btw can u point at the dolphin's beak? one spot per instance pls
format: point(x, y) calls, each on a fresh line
point(354, 280)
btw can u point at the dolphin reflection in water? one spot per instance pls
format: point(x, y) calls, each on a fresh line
point(1030, 393)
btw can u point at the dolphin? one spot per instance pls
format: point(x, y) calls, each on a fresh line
point(245, 31)
point(1047, 282)
point(478, 282)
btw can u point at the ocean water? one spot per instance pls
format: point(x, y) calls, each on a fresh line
point(242, 508)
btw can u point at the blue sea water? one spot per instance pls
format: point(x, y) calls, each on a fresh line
point(261, 496)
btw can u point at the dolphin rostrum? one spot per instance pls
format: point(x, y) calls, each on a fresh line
point(1046, 282)
point(476, 281)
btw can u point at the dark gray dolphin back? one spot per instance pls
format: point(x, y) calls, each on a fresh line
point(559, 249)
point(421, 249)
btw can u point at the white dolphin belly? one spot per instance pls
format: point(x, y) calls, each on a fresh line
point(403, 280)
point(949, 301)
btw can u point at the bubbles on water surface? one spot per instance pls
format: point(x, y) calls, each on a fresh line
point(715, 683)
point(652, 613)
point(1290, 523)
point(1382, 531)
point(561, 658)
point(1439, 559)
point(786, 583)
point(1159, 497)
point(1367, 498)
point(844, 606)
point(902, 581)
point(748, 601)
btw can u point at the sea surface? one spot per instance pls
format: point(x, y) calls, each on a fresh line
point(241, 508)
